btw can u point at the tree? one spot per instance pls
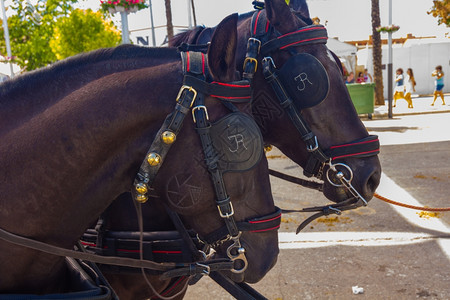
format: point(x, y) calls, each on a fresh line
point(83, 31)
point(441, 11)
point(30, 36)
point(376, 53)
point(32, 28)
point(169, 19)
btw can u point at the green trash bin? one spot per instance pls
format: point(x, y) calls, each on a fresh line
point(362, 95)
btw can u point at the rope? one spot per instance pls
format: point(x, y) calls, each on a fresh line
point(412, 206)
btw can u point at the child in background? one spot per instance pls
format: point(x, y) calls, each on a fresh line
point(439, 84)
point(410, 86)
point(399, 87)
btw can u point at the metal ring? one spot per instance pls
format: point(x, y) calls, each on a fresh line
point(333, 168)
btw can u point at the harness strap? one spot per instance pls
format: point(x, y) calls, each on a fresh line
point(159, 148)
point(237, 92)
point(211, 158)
point(58, 251)
point(237, 290)
point(172, 288)
point(337, 208)
point(260, 30)
point(313, 34)
point(186, 236)
point(316, 157)
point(184, 47)
point(259, 224)
point(166, 246)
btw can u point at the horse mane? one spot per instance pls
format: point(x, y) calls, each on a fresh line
point(46, 75)
point(186, 36)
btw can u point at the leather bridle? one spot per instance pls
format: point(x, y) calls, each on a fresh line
point(190, 99)
point(260, 46)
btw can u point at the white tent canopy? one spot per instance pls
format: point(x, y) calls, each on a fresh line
point(346, 52)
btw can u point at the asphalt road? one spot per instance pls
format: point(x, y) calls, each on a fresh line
point(389, 251)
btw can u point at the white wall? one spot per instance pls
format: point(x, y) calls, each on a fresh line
point(422, 58)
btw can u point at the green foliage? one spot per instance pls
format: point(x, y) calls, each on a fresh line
point(441, 11)
point(82, 31)
point(43, 33)
point(128, 5)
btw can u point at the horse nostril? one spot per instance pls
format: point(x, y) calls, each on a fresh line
point(372, 184)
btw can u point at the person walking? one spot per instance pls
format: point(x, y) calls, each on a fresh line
point(439, 84)
point(410, 86)
point(399, 87)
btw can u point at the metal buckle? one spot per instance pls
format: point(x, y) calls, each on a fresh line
point(267, 60)
point(310, 148)
point(190, 89)
point(249, 60)
point(256, 41)
point(226, 215)
point(205, 268)
point(199, 107)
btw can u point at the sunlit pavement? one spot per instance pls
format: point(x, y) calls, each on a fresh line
point(391, 252)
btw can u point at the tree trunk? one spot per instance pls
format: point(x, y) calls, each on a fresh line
point(169, 20)
point(376, 53)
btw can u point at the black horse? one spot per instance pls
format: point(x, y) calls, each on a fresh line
point(73, 139)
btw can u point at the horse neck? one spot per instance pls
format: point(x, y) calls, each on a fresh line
point(96, 136)
point(33, 92)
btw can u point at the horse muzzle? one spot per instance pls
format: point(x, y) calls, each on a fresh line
point(354, 177)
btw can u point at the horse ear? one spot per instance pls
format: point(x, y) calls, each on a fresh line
point(300, 6)
point(280, 16)
point(222, 51)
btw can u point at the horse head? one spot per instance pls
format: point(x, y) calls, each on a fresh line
point(184, 180)
point(306, 84)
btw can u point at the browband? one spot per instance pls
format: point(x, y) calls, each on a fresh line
point(238, 91)
point(313, 34)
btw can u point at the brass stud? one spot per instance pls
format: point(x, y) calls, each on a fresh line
point(153, 159)
point(168, 137)
point(141, 188)
point(268, 148)
point(141, 198)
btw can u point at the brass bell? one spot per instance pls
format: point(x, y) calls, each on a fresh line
point(141, 188)
point(153, 159)
point(168, 137)
point(141, 198)
point(268, 148)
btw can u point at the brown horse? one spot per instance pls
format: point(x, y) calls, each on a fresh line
point(73, 137)
point(334, 121)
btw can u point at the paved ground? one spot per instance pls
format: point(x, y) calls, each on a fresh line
point(391, 252)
